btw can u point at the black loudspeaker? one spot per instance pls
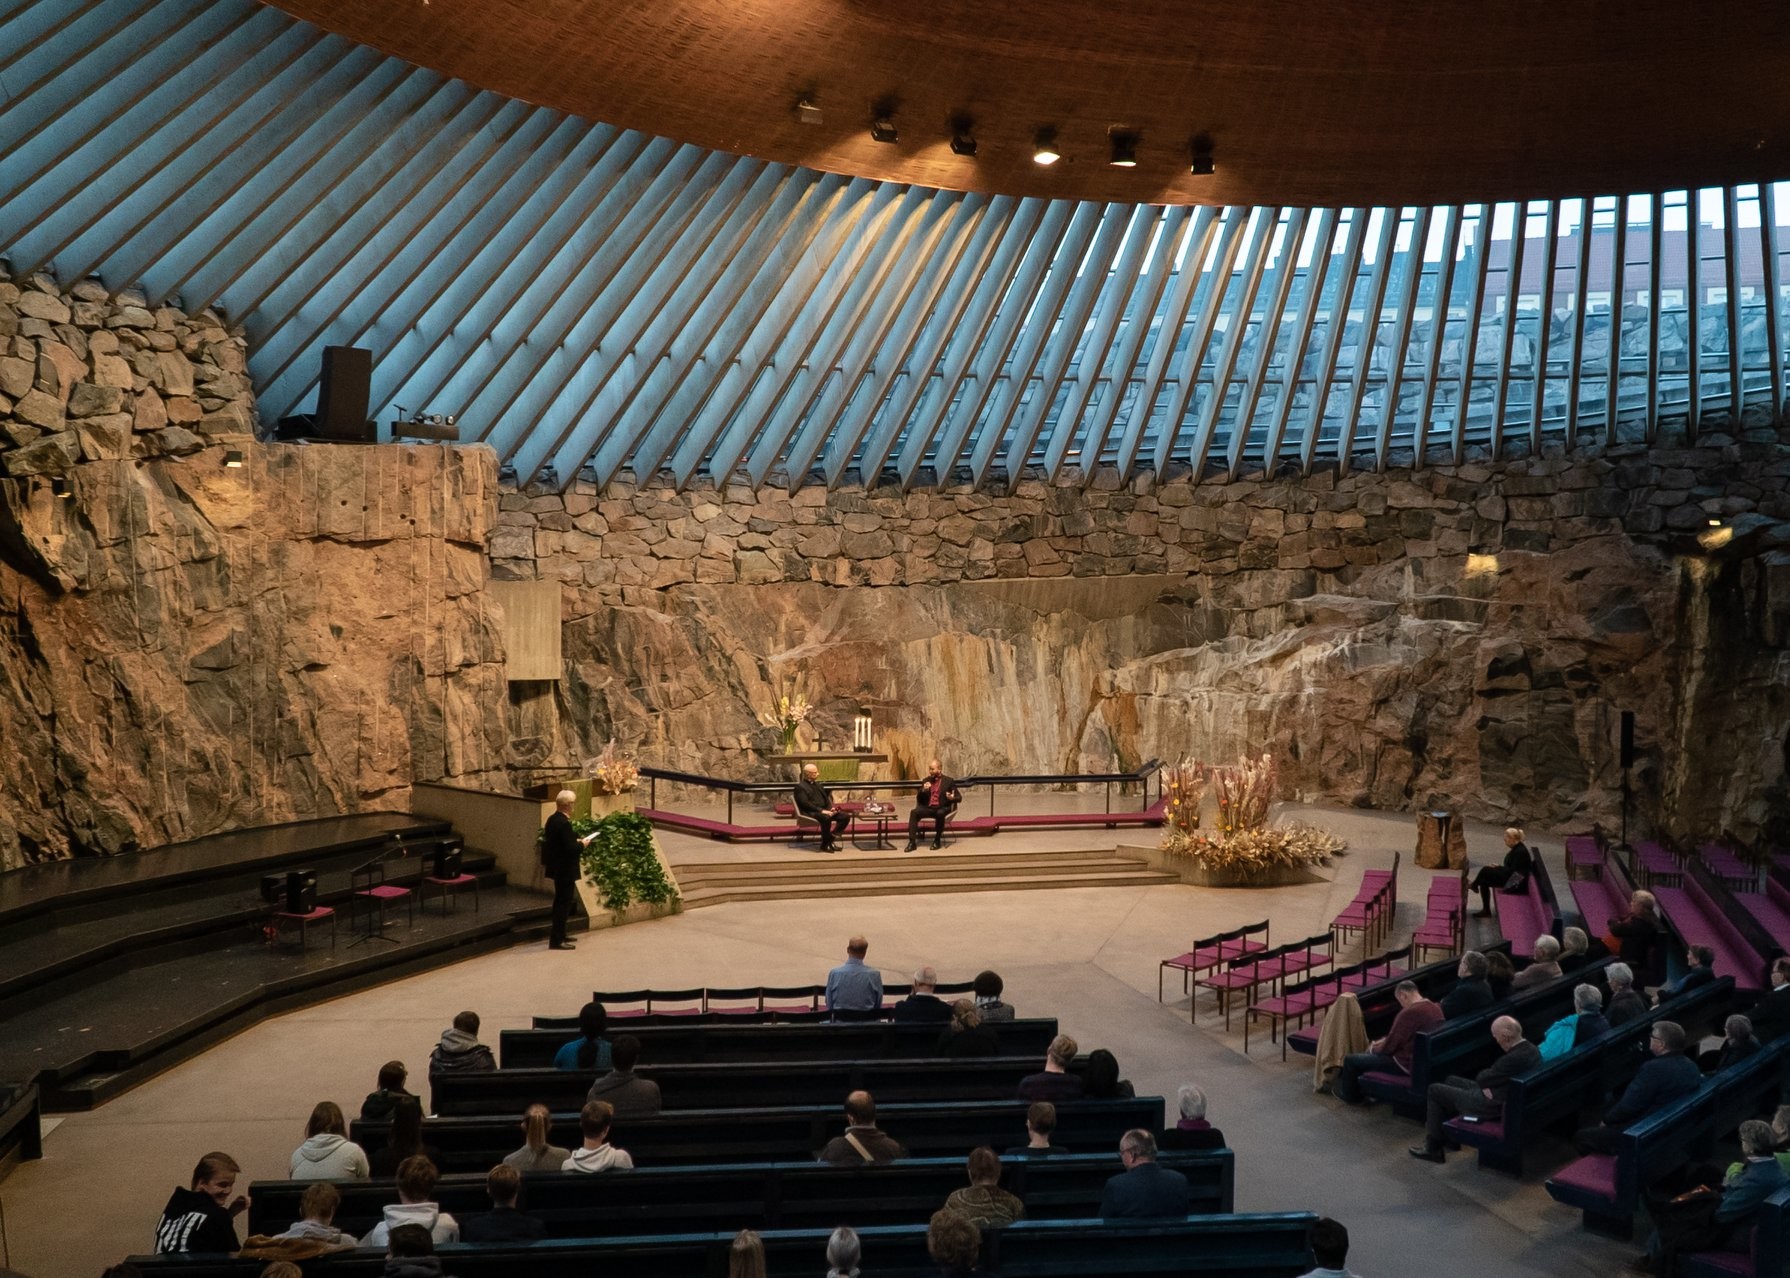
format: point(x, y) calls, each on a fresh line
point(273, 888)
point(301, 891)
point(444, 861)
point(1628, 738)
point(342, 394)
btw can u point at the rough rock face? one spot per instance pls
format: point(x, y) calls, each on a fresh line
point(1464, 636)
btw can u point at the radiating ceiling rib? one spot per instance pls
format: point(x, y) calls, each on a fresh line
point(1286, 270)
point(1113, 294)
point(972, 339)
point(1543, 341)
point(1218, 283)
point(1323, 240)
point(1482, 262)
point(1693, 311)
point(1439, 314)
point(1513, 294)
point(1619, 274)
point(1651, 413)
point(1403, 308)
point(1320, 399)
point(1731, 279)
point(1368, 336)
point(1238, 329)
point(1773, 290)
point(1581, 292)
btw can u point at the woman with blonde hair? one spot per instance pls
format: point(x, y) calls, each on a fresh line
point(537, 1152)
point(1639, 935)
point(745, 1259)
point(1512, 876)
point(968, 1034)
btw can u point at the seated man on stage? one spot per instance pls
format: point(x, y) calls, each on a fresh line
point(815, 801)
point(937, 797)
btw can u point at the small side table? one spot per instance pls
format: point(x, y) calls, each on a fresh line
point(881, 821)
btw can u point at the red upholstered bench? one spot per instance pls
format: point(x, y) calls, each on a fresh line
point(1587, 1181)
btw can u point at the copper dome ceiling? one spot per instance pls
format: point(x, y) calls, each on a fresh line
point(1306, 103)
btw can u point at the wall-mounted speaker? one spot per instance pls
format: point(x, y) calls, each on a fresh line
point(342, 395)
point(1628, 738)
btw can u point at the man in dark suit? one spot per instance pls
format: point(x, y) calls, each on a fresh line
point(1470, 992)
point(1143, 1191)
point(935, 800)
point(1670, 1076)
point(1481, 1096)
point(559, 861)
point(815, 801)
point(1771, 1014)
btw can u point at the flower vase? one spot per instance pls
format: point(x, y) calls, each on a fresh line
point(789, 739)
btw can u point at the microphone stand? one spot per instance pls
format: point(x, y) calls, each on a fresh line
point(376, 931)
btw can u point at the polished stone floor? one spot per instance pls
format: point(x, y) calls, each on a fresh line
point(1087, 955)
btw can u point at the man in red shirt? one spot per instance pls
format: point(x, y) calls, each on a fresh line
point(1416, 1015)
point(936, 798)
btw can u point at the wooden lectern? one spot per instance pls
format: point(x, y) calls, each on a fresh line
point(1441, 841)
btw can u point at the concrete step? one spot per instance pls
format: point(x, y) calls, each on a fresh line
point(939, 881)
point(846, 869)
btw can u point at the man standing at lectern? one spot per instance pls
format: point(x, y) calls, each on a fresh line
point(814, 801)
point(559, 861)
point(937, 796)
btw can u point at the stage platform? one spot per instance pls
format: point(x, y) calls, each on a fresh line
point(112, 969)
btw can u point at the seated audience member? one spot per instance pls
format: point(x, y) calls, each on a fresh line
point(1100, 1079)
point(1392, 1054)
point(814, 801)
point(317, 1219)
point(985, 1202)
point(405, 1141)
point(1626, 1002)
point(988, 989)
point(1738, 1043)
point(632, 1096)
point(1512, 876)
point(282, 1269)
point(410, 1253)
point(863, 1141)
point(416, 1205)
point(597, 1154)
point(1639, 933)
point(378, 1106)
point(745, 1259)
point(1577, 950)
point(1757, 1177)
point(1041, 1124)
point(844, 1251)
point(1481, 1096)
point(1544, 967)
point(1499, 973)
point(199, 1218)
point(1584, 1023)
point(954, 1243)
point(1330, 1248)
point(1054, 1083)
point(1669, 1076)
point(854, 988)
point(1144, 1190)
point(1771, 1014)
point(922, 1005)
point(537, 1153)
point(503, 1223)
point(589, 1050)
point(1470, 992)
point(1699, 969)
point(327, 1153)
point(1191, 1131)
point(459, 1051)
point(966, 1035)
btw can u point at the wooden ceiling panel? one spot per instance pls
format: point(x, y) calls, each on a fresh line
point(1346, 102)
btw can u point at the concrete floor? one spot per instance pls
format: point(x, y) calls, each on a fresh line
point(1087, 955)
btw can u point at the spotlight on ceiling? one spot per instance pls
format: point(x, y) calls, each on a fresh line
point(1044, 147)
point(1202, 164)
point(1715, 523)
point(1124, 148)
point(963, 141)
point(807, 109)
point(882, 121)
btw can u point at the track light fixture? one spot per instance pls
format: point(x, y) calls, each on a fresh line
point(1124, 148)
point(1200, 149)
point(1044, 147)
point(963, 141)
point(882, 121)
point(807, 109)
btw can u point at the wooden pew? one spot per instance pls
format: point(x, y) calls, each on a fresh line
point(1264, 1245)
point(1562, 1090)
point(738, 1084)
point(1533, 912)
point(1765, 1251)
point(804, 1195)
point(788, 1134)
point(1607, 1188)
point(689, 1042)
point(1379, 1005)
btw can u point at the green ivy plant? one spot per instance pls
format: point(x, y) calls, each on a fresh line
point(620, 861)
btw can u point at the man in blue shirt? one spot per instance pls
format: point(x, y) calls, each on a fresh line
point(854, 990)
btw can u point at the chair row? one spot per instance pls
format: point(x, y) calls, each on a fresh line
point(803, 1195)
point(706, 1040)
point(1271, 968)
point(1213, 953)
point(738, 1084)
point(1302, 1001)
point(788, 1134)
point(1260, 1245)
point(1370, 913)
point(1608, 1188)
point(1444, 925)
point(1562, 1091)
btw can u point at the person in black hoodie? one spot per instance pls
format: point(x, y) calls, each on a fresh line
point(459, 1051)
point(410, 1253)
point(503, 1223)
point(199, 1219)
point(378, 1106)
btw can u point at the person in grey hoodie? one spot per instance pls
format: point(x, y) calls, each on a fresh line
point(632, 1097)
point(318, 1207)
point(410, 1253)
point(415, 1206)
point(327, 1153)
point(597, 1154)
point(460, 1051)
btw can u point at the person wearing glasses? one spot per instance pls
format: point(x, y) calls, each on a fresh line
point(1669, 1076)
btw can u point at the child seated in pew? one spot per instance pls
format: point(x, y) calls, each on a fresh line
point(416, 1205)
point(404, 1142)
point(503, 1223)
point(411, 1254)
point(745, 1259)
point(588, 1051)
point(537, 1153)
point(378, 1106)
point(199, 1218)
point(844, 1250)
point(1100, 1078)
point(597, 1154)
point(317, 1217)
point(1041, 1122)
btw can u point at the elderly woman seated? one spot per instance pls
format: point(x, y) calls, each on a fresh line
point(1192, 1131)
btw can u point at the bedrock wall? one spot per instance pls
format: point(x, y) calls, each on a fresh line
point(1455, 635)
